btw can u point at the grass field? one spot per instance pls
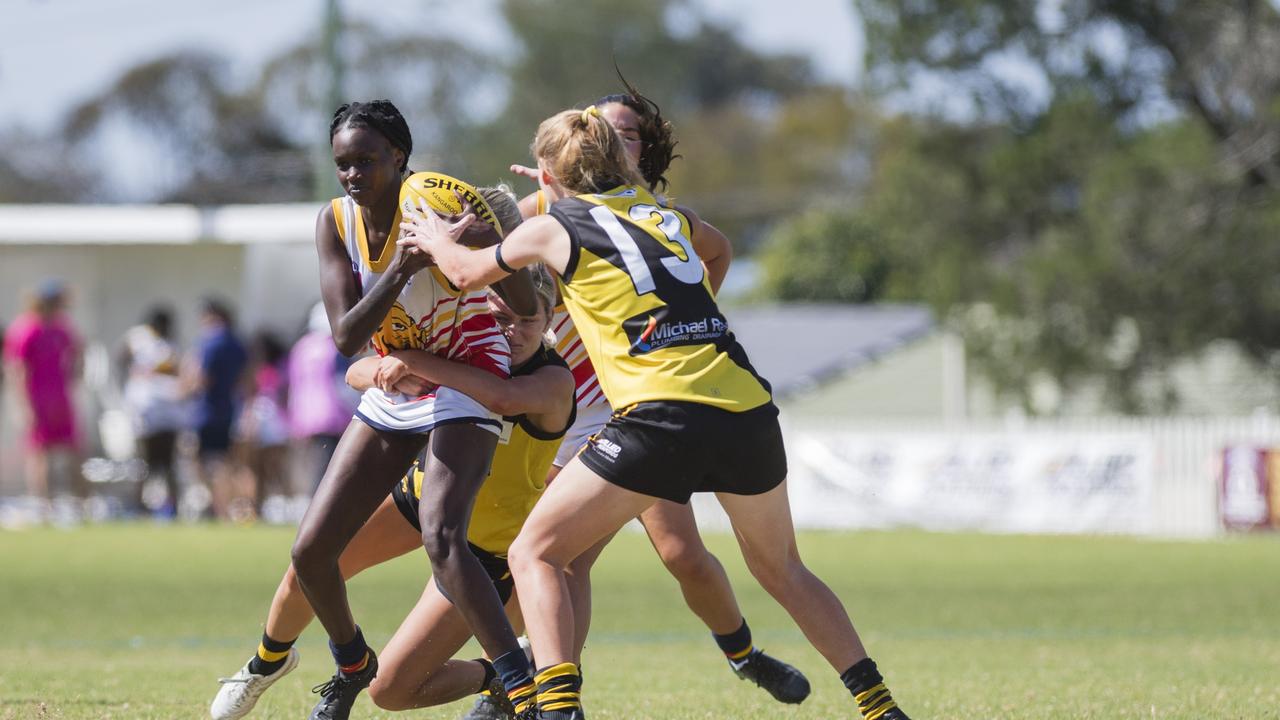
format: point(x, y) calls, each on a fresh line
point(139, 621)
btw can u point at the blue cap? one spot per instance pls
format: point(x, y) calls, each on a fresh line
point(51, 289)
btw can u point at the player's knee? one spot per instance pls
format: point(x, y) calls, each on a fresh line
point(443, 542)
point(776, 573)
point(385, 693)
point(290, 580)
point(307, 555)
point(688, 561)
point(521, 556)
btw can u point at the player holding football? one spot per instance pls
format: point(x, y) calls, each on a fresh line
point(691, 415)
point(537, 405)
point(395, 300)
point(650, 143)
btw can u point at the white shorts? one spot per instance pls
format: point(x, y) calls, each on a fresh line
point(396, 413)
point(590, 420)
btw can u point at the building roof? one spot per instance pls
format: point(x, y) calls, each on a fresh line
point(157, 224)
point(799, 347)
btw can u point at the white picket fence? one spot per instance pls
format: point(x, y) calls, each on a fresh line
point(1155, 477)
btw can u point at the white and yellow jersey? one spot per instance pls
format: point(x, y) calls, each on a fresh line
point(641, 301)
point(430, 314)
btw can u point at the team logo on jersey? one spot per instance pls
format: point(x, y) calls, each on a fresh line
point(399, 332)
point(653, 331)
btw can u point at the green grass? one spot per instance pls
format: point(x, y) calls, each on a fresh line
point(138, 622)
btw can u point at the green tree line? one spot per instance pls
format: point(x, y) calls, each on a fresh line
point(1087, 190)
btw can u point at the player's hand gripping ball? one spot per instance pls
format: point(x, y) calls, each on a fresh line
point(446, 196)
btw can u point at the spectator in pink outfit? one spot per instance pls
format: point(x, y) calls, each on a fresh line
point(261, 431)
point(320, 402)
point(42, 354)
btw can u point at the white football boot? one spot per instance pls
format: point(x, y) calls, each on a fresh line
point(240, 692)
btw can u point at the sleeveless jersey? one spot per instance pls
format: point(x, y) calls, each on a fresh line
point(640, 299)
point(518, 474)
point(430, 314)
point(569, 346)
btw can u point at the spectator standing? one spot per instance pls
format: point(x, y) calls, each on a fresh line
point(320, 401)
point(42, 354)
point(153, 400)
point(261, 430)
point(214, 380)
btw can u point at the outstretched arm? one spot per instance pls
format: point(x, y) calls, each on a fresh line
point(538, 239)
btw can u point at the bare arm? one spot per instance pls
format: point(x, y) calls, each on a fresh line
point(517, 292)
point(364, 374)
point(538, 394)
point(539, 239)
point(712, 247)
point(529, 205)
point(546, 397)
point(353, 318)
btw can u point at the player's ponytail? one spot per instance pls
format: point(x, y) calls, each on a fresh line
point(584, 153)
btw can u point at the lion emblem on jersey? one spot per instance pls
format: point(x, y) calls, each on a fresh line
point(400, 332)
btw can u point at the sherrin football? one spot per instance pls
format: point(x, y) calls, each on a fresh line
point(438, 190)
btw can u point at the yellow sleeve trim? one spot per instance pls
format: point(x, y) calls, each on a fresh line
point(339, 219)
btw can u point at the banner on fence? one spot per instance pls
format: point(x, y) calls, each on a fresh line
point(1246, 475)
point(998, 482)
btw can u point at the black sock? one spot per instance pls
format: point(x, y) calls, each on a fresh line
point(513, 668)
point(866, 684)
point(271, 655)
point(489, 674)
point(351, 656)
point(736, 645)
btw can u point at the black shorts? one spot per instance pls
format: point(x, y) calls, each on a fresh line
point(495, 566)
point(671, 450)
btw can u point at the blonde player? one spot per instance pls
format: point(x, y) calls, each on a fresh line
point(691, 415)
point(649, 141)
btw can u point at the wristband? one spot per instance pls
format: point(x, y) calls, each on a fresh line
point(497, 255)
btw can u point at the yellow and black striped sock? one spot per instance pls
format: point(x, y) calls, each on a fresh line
point(867, 686)
point(559, 691)
point(523, 697)
point(271, 655)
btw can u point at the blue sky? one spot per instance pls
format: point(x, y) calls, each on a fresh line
point(58, 52)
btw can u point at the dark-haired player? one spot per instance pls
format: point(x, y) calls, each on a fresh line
point(393, 299)
point(418, 668)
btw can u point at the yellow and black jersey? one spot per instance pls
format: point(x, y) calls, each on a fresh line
point(517, 477)
point(640, 298)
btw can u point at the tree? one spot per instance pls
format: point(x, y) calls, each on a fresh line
point(826, 255)
point(1099, 212)
point(726, 100)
